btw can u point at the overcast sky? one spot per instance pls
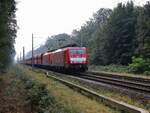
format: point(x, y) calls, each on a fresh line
point(45, 18)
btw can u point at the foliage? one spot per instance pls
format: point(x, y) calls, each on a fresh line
point(140, 65)
point(8, 29)
point(110, 68)
point(143, 31)
point(53, 42)
point(111, 36)
point(91, 35)
point(58, 41)
point(40, 98)
point(119, 33)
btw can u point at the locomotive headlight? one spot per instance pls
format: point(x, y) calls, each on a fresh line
point(77, 60)
point(71, 61)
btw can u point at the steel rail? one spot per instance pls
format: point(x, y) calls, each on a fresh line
point(141, 84)
point(121, 76)
point(100, 98)
point(140, 87)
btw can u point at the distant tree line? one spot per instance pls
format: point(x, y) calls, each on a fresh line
point(8, 29)
point(53, 42)
point(120, 36)
point(114, 35)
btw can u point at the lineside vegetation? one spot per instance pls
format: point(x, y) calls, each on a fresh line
point(119, 36)
point(8, 29)
point(69, 100)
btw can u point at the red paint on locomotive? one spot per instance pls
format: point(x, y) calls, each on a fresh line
point(66, 58)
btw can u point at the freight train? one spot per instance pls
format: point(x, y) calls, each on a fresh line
point(68, 58)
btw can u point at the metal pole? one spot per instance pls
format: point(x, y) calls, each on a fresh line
point(81, 41)
point(18, 61)
point(20, 56)
point(23, 55)
point(32, 53)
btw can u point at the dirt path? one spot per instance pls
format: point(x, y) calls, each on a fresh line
point(12, 95)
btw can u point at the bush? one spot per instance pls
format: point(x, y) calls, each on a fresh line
point(40, 98)
point(140, 65)
point(110, 68)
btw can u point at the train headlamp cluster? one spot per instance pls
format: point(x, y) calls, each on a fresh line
point(77, 60)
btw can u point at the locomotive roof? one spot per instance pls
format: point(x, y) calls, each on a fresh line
point(57, 50)
point(69, 45)
point(65, 48)
point(61, 49)
point(76, 47)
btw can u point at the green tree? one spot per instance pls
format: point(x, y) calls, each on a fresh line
point(53, 42)
point(58, 41)
point(8, 29)
point(120, 34)
point(143, 32)
point(87, 33)
point(141, 63)
point(90, 35)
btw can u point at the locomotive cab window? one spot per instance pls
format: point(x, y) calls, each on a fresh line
point(77, 51)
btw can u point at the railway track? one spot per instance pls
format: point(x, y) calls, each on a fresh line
point(130, 85)
point(94, 95)
point(139, 85)
point(130, 78)
point(123, 107)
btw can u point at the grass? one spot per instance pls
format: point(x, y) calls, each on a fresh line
point(71, 101)
point(12, 95)
point(116, 69)
point(110, 68)
point(145, 104)
point(37, 93)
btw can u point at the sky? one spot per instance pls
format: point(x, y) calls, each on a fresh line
point(44, 18)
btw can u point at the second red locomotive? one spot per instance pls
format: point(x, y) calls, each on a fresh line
point(70, 58)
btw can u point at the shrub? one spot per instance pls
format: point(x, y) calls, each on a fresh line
point(110, 68)
point(140, 65)
point(39, 96)
point(41, 100)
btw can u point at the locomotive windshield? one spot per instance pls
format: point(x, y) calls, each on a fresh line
point(77, 51)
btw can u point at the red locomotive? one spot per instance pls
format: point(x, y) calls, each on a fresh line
point(70, 58)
